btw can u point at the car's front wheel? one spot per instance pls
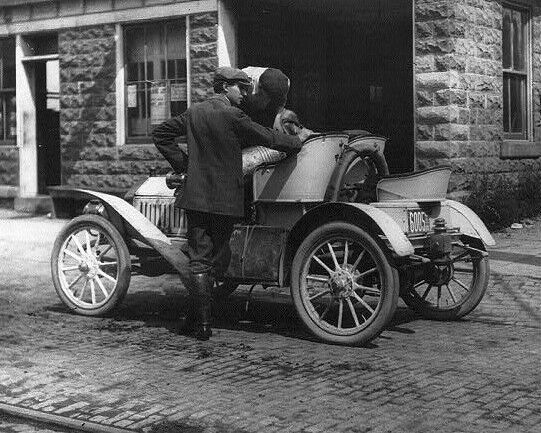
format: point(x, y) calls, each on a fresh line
point(90, 265)
point(343, 287)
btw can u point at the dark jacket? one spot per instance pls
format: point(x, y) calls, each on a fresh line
point(216, 133)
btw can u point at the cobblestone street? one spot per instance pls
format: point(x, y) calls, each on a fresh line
point(260, 372)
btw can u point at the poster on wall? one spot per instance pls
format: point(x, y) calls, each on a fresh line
point(132, 96)
point(178, 92)
point(158, 104)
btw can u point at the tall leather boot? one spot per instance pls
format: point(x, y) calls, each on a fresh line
point(204, 283)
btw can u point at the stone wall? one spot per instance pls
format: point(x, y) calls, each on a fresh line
point(90, 155)
point(459, 85)
point(203, 53)
point(9, 165)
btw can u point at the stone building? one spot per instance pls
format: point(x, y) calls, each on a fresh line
point(82, 82)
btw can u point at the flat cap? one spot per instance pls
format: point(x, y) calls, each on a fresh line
point(231, 75)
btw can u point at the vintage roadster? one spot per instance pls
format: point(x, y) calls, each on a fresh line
point(329, 223)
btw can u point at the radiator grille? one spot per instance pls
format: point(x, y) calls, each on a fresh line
point(163, 214)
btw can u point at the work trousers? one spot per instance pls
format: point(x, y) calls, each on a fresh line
point(208, 242)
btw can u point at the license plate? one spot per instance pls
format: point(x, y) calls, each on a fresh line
point(418, 221)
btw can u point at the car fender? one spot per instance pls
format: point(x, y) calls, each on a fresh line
point(397, 239)
point(355, 213)
point(140, 227)
point(468, 222)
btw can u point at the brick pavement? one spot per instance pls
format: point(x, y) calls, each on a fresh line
point(263, 373)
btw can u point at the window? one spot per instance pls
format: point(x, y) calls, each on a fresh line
point(515, 56)
point(156, 83)
point(8, 125)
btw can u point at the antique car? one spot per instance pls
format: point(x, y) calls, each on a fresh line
point(330, 223)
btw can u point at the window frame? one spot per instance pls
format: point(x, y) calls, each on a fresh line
point(521, 145)
point(3, 101)
point(122, 81)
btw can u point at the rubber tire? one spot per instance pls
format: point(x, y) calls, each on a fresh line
point(389, 299)
point(124, 263)
point(481, 276)
point(337, 179)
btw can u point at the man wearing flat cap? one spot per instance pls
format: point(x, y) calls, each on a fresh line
point(216, 131)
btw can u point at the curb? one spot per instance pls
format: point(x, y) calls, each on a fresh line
point(58, 420)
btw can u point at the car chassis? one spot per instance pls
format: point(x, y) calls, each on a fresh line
point(329, 223)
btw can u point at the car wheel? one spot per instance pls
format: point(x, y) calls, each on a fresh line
point(356, 176)
point(90, 265)
point(342, 285)
point(448, 292)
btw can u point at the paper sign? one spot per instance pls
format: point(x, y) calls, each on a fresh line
point(178, 92)
point(132, 96)
point(158, 104)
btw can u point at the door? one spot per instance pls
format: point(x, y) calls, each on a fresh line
point(350, 63)
point(47, 124)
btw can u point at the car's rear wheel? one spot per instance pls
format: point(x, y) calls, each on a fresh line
point(90, 265)
point(448, 291)
point(342, 285)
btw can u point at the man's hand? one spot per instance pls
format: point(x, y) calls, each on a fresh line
point(305, 134)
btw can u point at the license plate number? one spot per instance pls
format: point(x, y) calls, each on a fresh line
point(418, 221)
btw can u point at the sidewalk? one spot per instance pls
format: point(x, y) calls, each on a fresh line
point(261, 372)
point(518, 251)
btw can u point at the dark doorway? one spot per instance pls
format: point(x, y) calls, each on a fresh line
point(350, 64)
point(47, 124)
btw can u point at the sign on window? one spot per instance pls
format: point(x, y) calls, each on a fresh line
point(158, 104)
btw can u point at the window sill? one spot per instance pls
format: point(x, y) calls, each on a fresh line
point(520, 149)
point(148, 141)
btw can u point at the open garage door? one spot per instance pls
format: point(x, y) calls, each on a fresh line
point(349, 61)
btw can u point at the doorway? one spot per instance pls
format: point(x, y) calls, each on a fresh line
point(350, 64)
point(47, 124)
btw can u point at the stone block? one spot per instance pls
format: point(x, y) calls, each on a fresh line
point(434, 46)
point(202, 81)
point(98, 6)
point(479, 83)
point(19, 13)
point(425, 98)
point(425, 63)
point(451, 132)
point(438, 114)
point(203, 35)
point(476, 100)
point(475, 65)
point(199, 94)
point(434, 81)
point(206, 65)
point(432, 11)
point(493, 68)
point(99, 154)
point(450, 62)
point(204, 50)
point(73, 7)
point(204, 20)
point(424, 29)
point(486, 133)
point(437, 150)
point(424, 132)
point(486, 17)
point(450, 97)
point(127, 4)
point(139, 152)
point(479, 149)
point(494, 101)
point(46, 10)
point(450, 29)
